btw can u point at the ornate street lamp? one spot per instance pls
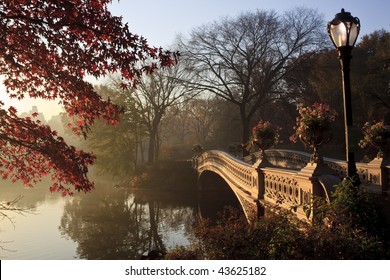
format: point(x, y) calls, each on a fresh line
point(343, 31)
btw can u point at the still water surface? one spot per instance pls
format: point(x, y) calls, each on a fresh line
point(108, 223)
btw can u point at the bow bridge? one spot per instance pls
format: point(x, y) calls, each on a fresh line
point(284, 177)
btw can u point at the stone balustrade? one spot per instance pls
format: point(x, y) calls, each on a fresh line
point(374, 174)
point(287, 179)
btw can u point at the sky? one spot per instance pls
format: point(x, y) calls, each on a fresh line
point(161, 21)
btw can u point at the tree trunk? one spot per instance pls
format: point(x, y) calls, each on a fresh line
point(152, 145)
point(245, 121)
point(153, 142)
point(142, 151)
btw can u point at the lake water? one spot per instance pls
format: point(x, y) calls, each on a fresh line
point(108, 223)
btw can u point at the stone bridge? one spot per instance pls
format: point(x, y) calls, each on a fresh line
point(285, 178)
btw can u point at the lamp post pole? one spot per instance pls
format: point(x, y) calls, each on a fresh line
point(343, 31)
point(350, 137)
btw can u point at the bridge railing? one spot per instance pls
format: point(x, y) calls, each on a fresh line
point(239, 173)
point(282, 188)
point(287, 179)
point(374, 174)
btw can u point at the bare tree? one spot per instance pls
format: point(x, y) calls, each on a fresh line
point(244, 60)
point(176, 127)
point(154, 94)
point(202, 112)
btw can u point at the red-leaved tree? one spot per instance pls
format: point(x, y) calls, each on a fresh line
point(47, 48)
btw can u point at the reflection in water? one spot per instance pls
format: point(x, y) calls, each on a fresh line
point(115, 224)
point(31, 197)
point(108, 223)
point(36, 235)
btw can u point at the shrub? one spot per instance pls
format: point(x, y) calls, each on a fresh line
point(233, 238)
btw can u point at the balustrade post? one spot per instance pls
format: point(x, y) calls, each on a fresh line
point(378, 173)
point(258, 165)
point(260, 183)
point(258, 179)
point(308, 184)
point(308, 179)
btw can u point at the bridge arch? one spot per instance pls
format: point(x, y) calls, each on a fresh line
point(242, 178)
point(214, 194)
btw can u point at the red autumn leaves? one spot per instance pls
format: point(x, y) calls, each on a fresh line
point(47, 48)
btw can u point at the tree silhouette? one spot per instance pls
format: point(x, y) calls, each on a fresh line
point(244, 60)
